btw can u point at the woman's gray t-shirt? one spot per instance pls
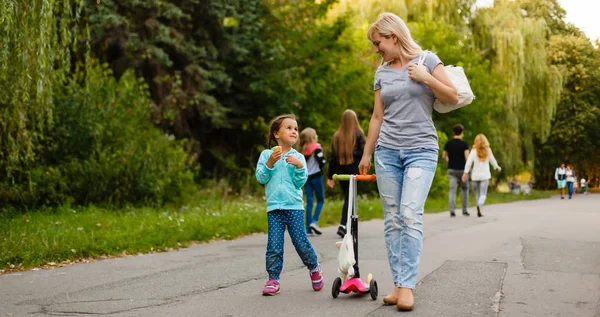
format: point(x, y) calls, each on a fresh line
point(408, 106)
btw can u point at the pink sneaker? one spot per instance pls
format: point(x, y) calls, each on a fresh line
point(316, 276)
point(271, 288)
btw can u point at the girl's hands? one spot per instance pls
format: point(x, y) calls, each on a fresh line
point(275, 156)
point(292, 159)
point(464, 178)
point(418, 73)
point(365, 165)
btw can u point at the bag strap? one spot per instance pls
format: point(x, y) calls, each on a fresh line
point(422, 58)
point(351, 202)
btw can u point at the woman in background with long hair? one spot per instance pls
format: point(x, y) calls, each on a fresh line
point(481, 157)
point(347, 150)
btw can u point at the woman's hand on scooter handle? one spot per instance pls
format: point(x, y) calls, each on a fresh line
point(365, 165)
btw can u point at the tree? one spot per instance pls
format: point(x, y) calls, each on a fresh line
point(516, 45)
point(552, 13)
point(34, 57)
point(575, 128)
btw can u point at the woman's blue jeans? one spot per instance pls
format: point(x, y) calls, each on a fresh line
point(571, 188)
point(404, 178)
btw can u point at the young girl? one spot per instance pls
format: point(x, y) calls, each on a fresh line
point(481, 157)
point(283, 171)
point(347, 150)
point(313, 153)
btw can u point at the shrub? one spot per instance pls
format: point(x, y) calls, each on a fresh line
point(103, 148)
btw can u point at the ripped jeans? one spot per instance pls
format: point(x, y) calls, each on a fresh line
point(404, 178)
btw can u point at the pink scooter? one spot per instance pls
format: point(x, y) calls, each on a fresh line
point(354, 284)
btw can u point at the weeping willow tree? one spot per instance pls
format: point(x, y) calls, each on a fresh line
point(454, 12)
point(517, 45)
point(362, 13)
point(34, 56)
point(365, 12)
point(451, 11)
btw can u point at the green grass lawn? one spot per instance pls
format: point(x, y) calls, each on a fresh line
point(70, 234)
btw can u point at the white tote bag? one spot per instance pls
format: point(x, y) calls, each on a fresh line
point(461, 83)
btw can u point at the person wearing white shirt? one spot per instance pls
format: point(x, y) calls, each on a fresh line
point(480, 158)
point(561, 179)
point(583, 186)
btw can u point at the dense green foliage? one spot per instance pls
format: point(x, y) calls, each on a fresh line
point(34, 58)
point(575, 136)
point(73, 133)
point(102, 147)
point(189, 87)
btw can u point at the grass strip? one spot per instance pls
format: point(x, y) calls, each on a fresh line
point(67, 235)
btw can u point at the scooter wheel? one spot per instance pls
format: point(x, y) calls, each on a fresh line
point(335, 290)
point(373, 289)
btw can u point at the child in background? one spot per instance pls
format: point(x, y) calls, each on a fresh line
point(584, 186)
point(283, 171)
point(315, 160)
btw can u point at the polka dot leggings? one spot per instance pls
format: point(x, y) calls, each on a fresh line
point(294, 220)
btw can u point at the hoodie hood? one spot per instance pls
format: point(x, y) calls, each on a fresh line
point(310, 148)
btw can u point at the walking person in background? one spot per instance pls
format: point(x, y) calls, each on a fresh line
point(531, 182)
point(480, 158)
point(560, 175)
point(570, 178)
point(584, 186)
point(283, 170)
point(455, 154)
point(315, 160)
point(347, 149)
point(405, 142)
point(515, 188)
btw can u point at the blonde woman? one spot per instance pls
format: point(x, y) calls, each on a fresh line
point(347, 149)
point(404, 139)
point(480, 158)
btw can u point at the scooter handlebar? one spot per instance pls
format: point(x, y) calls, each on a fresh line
point(346, 177)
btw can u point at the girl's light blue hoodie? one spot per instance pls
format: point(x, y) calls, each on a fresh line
point(284, 181)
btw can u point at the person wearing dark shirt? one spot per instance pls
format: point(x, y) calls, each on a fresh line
point(456, 152)
point(346, 152)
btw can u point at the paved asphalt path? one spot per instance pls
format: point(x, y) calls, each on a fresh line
point(530, 258)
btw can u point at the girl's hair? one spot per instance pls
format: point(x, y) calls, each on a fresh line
point(482, 146)
point(276, 125)
point(387, 24)
point(307, 136)
point(344, 139)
